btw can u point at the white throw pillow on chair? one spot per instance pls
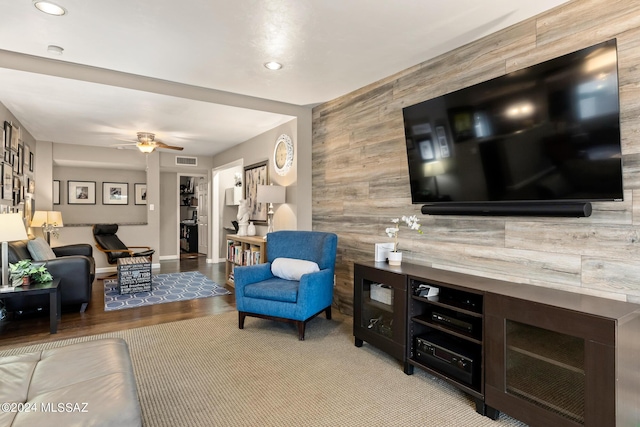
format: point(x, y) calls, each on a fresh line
point(291, 268)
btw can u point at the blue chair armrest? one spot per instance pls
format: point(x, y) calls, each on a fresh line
point(246, 275)
point(316, 291)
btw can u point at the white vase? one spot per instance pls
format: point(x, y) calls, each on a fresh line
point(251, 229)
point(395, 258)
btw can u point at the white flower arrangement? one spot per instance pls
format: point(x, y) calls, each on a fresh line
point(412, 222)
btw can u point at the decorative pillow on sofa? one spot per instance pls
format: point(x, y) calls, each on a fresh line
point(292, 269)
point(40, 249)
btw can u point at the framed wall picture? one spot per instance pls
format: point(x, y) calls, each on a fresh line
point(7, 181)
point(20, 159)
point(27, 154)
point(115, 193)
point(81, 192)
point(56, 192)
point(140, 191)
point(15, 137)
point(7, 135)
point(254, 175)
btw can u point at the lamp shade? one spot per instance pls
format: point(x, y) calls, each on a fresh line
point(51, 218)
point(271, 194)
point(12, 228)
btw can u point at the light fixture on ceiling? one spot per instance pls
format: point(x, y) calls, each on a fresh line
point(146, 147)
point(55, 50)
point(272, 65)
point(49, 8)
point(146, 142)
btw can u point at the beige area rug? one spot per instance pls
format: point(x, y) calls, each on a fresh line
point(207, 372)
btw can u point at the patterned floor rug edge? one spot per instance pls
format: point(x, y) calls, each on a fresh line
point(166, 288)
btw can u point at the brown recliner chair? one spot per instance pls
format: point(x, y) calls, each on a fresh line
point(108, 242)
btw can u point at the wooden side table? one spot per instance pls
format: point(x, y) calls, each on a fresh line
point(51, 288)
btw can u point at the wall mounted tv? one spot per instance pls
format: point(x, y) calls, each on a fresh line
point(544, 136)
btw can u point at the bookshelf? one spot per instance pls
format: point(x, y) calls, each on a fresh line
point(243, 250)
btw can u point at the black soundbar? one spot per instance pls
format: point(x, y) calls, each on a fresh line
point(559, 209)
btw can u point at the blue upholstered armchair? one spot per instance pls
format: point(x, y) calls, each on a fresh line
point(289, 287)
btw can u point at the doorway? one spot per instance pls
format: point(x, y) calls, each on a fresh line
point(192, 216)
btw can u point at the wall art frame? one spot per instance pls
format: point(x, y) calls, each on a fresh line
point(56, 192)
point(15, 138)
point(254, 175)
point(115, 193)
point(7, 182)
point(140, 193)
point(7, 135)
point(81, 192)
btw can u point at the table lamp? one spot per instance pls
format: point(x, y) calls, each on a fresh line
point(48, 220)
point(271, 194)
point(11, 228)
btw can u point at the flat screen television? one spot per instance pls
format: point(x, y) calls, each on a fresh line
point(546, 133)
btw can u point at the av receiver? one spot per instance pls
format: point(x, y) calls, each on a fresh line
point(452, 322)
point(448, 357)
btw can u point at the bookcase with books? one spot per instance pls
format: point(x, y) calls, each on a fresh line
point(243, 250)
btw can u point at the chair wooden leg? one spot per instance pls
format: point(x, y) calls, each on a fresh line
point(301, 326)
point(241, 316)
point(327, 312)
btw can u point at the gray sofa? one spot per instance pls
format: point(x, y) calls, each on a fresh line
point(85, 384)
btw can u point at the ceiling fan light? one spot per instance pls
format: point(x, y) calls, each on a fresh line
point(146, 148)
point(50, 8)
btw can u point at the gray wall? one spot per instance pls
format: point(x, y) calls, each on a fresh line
point(360, 176)
point(99, 213)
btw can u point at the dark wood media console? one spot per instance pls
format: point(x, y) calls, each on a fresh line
point(543, 356)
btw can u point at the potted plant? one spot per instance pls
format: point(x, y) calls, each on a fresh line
point(412, 222)
point(23, 271)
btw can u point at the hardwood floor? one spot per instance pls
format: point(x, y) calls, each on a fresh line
point(32, 328)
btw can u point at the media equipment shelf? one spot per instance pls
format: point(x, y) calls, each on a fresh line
point(541, 355)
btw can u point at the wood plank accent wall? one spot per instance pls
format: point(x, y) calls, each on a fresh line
point(360, 175)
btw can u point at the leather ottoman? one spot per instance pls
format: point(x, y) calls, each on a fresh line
point(84, 384)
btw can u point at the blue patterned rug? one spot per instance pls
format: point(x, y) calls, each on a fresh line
point(166, 288)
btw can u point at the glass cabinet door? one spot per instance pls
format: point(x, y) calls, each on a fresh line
point(546, 368)
point(378, 314)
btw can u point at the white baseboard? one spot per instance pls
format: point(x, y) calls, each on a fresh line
point(167, 257)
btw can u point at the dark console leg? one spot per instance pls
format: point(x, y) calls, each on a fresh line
point(359, 342)
point(408, 368)
point(492, 413)
point(486, 410)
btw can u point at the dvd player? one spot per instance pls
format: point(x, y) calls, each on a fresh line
point(452, 322)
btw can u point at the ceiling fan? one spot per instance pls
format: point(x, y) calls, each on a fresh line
point(147, 143)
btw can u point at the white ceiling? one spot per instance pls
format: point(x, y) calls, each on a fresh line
point(328, 48)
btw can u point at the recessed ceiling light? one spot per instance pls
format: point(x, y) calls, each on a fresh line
point(273, 65)
point(49, 8)
point(56, 50)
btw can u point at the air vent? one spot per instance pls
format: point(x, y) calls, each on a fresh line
point(186, 161)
